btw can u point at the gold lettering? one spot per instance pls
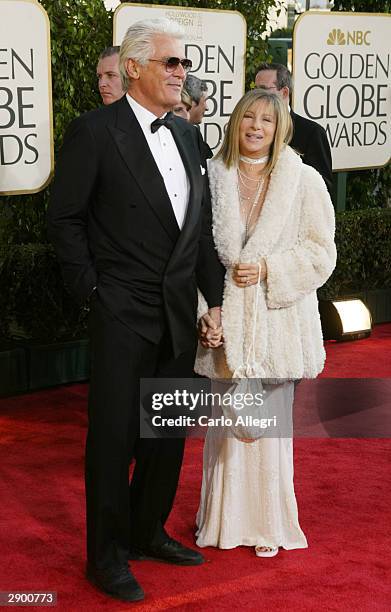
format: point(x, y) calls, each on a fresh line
point(358, 38)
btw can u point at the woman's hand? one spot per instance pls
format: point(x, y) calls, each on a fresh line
point(245, 275)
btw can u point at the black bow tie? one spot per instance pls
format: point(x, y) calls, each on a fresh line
point(166, 121)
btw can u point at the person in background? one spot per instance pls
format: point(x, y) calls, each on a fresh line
point(109, 78)
point(183, 108)
point(198, 91)
point(309, 138)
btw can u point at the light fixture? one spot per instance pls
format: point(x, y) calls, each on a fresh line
point(345, 319)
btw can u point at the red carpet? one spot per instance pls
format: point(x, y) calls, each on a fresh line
point(369, 358)
point(342, 485)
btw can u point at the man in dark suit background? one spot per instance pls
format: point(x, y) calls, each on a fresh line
point(309, 138)
point(130, 218)
point(109, 79)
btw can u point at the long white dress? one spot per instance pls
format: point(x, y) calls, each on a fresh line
point(247, 495)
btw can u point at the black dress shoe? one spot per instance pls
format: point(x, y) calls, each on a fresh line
point(170, 551)
point(116, 582)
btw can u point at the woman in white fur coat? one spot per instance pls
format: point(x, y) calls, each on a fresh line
point(274, 232)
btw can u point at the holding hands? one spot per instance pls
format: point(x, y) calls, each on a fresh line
point(210, 331)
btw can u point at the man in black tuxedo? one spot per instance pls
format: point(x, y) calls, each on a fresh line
point(309, 138)
point(130, 218)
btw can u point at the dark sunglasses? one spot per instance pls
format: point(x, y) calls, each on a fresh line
point(172, 63)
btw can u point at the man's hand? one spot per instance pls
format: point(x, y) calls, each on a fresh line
point(209, 328)
point(245, 275)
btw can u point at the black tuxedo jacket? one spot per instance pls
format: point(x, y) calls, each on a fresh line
point(310, 140)
point(113, 226)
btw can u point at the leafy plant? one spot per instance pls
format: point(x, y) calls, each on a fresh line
point(364, 6)
point(369, 189)
point(364, 253)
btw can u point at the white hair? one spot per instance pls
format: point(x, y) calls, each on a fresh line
point(138, 42)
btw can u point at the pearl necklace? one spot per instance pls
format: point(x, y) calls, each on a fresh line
point(253, 161)
point(242, 176)
point(251, 202)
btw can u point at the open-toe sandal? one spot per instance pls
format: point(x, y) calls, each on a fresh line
point(266, 551)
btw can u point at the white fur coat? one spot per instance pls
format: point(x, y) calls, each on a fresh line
point(295, 235)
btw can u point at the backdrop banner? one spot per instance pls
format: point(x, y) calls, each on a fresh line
point(341, 71)
point(26, 126)
point(215, 42)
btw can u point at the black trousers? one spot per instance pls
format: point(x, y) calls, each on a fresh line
point(122, 514)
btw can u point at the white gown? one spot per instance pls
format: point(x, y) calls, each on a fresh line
point(247, 495)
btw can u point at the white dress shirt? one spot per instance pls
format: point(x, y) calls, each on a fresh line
point(167, 158)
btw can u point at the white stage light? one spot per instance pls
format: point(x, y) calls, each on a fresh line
point(348, 319)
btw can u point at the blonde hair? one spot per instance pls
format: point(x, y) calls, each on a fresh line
point(138, 42)
point(229, 152)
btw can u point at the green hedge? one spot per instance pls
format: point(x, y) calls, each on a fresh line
point(34, 304)
point(363, 6)
point(364, 253)
point(369, 189)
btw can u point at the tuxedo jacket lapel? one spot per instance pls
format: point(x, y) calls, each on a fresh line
point(135, 152)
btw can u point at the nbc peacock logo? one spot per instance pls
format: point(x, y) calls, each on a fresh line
point(336, 37)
